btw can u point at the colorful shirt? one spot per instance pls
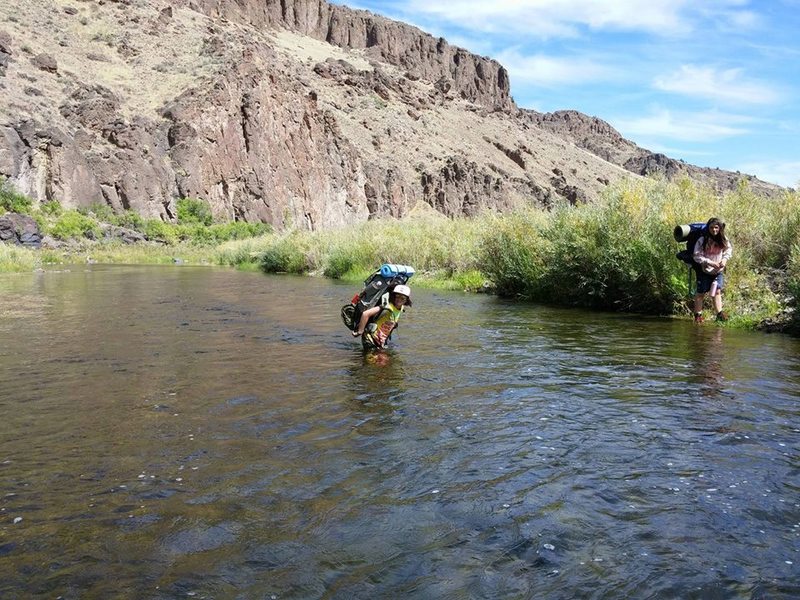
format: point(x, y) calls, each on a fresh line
point(384, 324)
point(708, 257)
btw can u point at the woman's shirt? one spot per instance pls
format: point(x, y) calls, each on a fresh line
point(707, 258)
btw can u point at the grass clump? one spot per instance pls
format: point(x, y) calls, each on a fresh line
point(12, 201)
point(194, 211)
point(440, 249)
point(793, 286)
point(15, 259)
point(287, 254)
point(72, 224)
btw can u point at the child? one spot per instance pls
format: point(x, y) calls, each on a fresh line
point(377, 323)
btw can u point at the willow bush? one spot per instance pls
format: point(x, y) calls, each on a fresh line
point(514, 255)
point(288, 254)
point(619, 253)
point(442, 250)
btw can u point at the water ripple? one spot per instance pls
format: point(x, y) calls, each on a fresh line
point(173, 432)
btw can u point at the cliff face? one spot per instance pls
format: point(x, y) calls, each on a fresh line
point(294, 112)
point(476, 79)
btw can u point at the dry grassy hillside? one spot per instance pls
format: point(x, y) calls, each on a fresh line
point(136, 103)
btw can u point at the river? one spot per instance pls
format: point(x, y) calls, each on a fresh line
point(174, 432)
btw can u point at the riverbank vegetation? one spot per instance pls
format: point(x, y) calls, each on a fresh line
point(617, 254)
point(97, 234)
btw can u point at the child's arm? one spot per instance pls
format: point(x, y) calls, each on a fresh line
point(365, 317)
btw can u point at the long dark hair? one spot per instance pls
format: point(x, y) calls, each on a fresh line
point(719, 239)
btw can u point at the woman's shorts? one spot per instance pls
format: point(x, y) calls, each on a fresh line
point(704, 281)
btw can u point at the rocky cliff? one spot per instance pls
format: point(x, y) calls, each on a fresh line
point(294, 112)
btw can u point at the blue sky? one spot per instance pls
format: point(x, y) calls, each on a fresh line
point(713, 82)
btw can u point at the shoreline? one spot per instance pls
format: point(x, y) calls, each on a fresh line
point(209, 256)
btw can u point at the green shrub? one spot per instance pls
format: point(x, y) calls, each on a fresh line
point(782, 230)
point(130, 220)
point(243, 252)
point(617, 254)
point(101, 212)
point(52, 208)
point(219, 232)
point(42, 220)
point(158, 231)
point(342, 262)
point(73, 225)
point(11, 200)
point(238, 230)
point(285, 255)
point(194, 211)
point(194, 233)
point(513, 255)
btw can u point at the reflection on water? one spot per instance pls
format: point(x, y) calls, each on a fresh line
point(183, 432)
point(706, 354)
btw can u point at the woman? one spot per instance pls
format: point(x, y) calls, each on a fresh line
point(377, 323)
point(711, 253)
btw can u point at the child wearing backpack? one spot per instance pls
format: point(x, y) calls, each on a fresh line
point(712, 251)
point(377, 323)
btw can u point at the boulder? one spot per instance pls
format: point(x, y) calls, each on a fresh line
point(5, 51)
point(20, 229)
point(123, 234)
point(46, 62)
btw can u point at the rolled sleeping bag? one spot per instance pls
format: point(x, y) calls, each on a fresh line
point(681, 232)
point(389, 270)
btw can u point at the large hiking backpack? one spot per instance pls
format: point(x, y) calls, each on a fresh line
point(376, 291)
point(690, 234)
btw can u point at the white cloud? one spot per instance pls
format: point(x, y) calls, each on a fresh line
point(560, 18)
point(476, 45)
point(783, 173)
point(726, 85)
point(687, 127)
point(543, 70)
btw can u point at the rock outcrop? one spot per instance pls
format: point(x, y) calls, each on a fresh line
point(21, 230)
point(473, 78)
point(5, 51)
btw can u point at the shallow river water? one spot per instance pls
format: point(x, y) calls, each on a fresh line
point(182, 432)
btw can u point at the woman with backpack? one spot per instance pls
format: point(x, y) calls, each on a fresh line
point(711, 253)
point(377, 323)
